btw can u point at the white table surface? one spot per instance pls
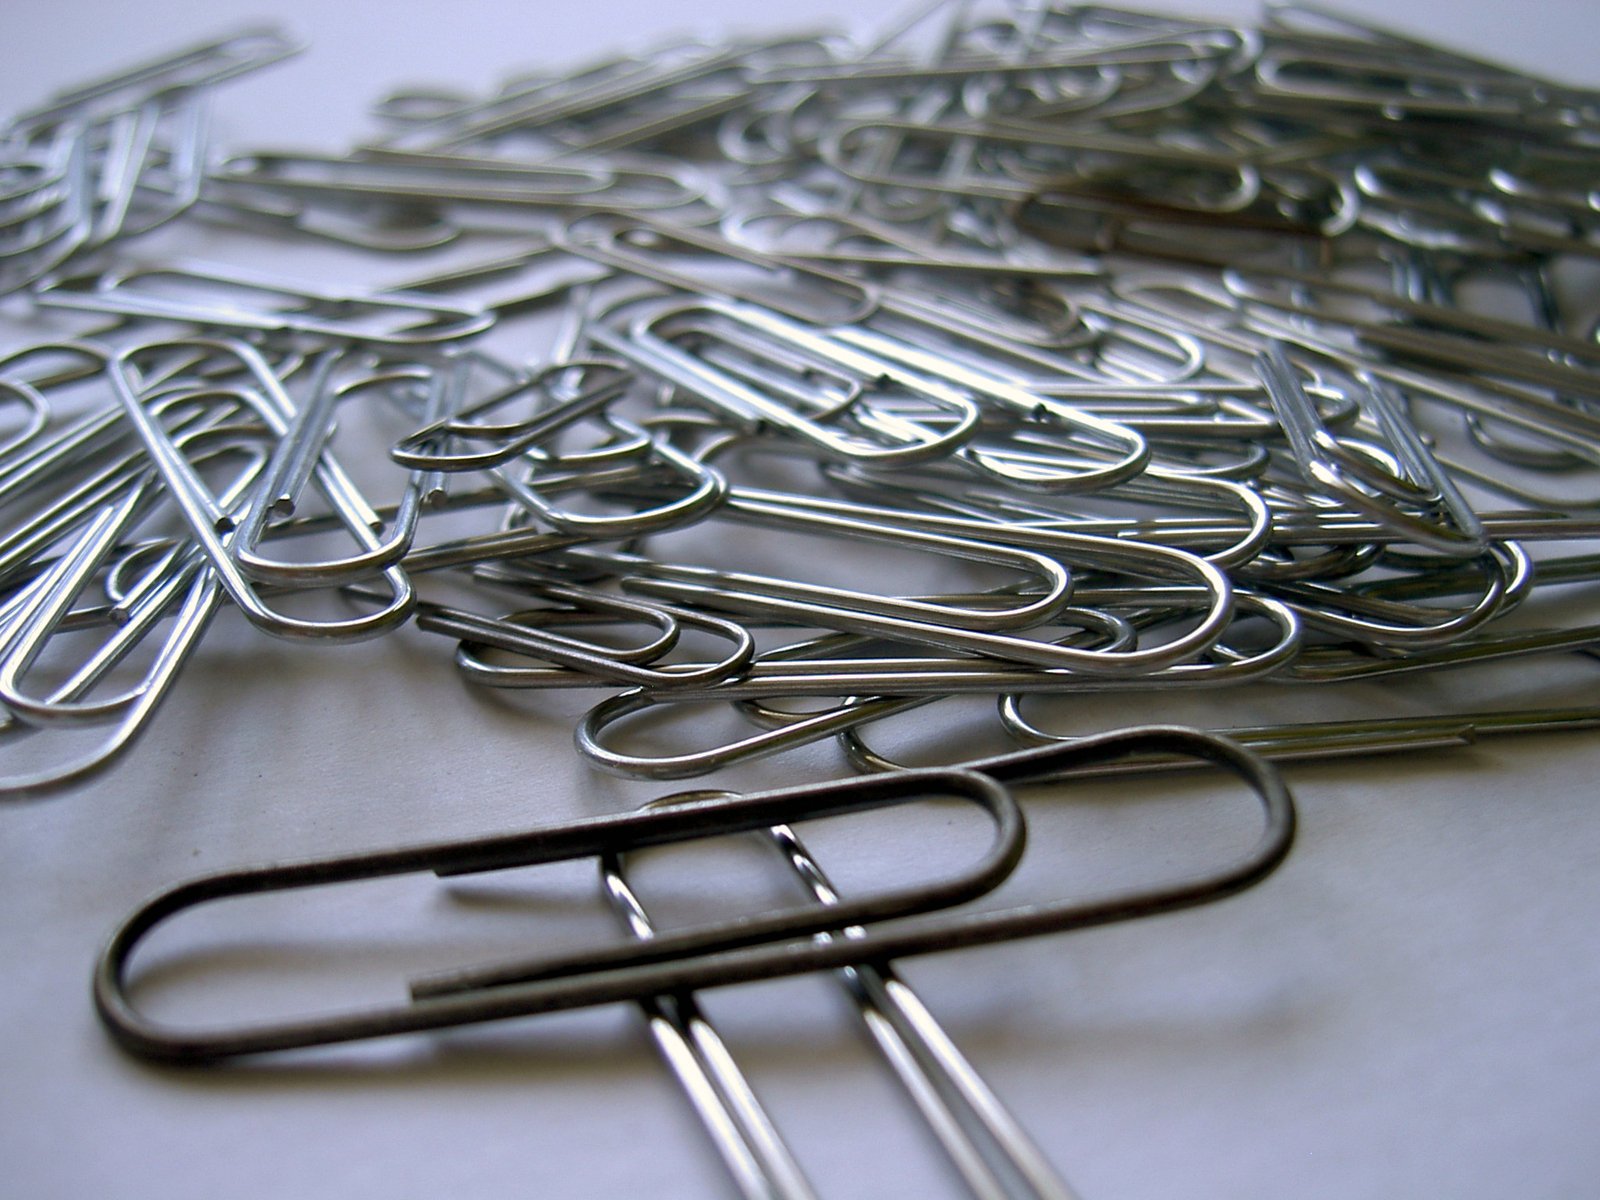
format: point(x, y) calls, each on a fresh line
point(1409, 1008)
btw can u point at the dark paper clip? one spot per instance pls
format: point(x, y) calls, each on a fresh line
point(892, 924)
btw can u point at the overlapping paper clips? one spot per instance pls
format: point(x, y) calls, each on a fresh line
point(1115, 352)
point(857, 939)
point(115, 157)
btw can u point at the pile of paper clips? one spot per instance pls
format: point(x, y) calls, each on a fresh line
point(1199, 355)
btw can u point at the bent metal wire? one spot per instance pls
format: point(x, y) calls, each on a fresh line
point(739, 952)
point(1021, 349)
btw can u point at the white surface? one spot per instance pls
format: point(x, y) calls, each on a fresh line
point(1408, 1008)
